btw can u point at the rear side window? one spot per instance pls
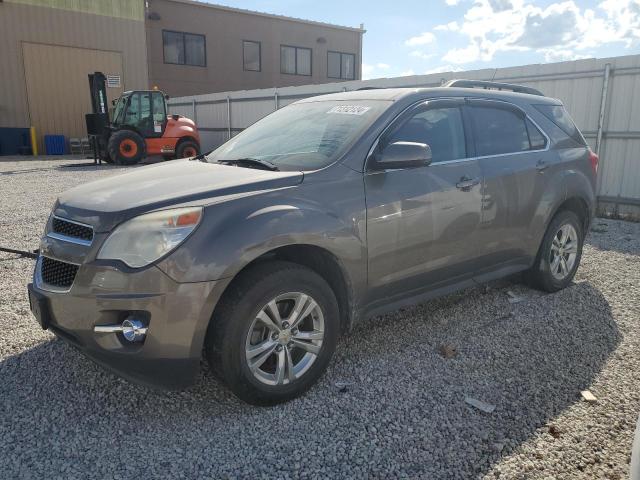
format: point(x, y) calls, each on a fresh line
point(536, 139)
point(559, 116)
point(499, 130)
point(440, 128)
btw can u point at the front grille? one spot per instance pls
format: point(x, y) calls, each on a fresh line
point(71, 229)
point(57, 273)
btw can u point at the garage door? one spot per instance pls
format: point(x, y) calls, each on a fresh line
point(58, 86)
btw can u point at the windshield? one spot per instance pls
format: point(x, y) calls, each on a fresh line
point(305, 136)
point(119, 108)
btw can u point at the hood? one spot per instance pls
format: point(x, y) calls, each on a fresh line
point(105, 203)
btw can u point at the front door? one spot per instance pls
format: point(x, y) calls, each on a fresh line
point(421, 222)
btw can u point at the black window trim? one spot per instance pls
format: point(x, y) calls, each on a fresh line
point(341, 54)
point(259, 55)
point(296, 63)
point(426, 104)
point(369, 160)
point(204, 37)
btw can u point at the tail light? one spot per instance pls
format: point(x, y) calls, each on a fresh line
point(593, 158)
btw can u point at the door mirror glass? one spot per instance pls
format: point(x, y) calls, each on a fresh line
point(404, 155)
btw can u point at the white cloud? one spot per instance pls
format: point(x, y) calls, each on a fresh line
point(407, 73)
point(422, 39)
point(367, 71)
point(448, 27)
point(422, 55)
point(554, 55)
point(561, 30)
point(469, 54)
point(442, 69)
point(374, 70)
point(452, 3)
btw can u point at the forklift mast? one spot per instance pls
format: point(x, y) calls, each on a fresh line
point(98, 89)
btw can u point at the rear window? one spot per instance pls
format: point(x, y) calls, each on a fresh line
point(561, 118)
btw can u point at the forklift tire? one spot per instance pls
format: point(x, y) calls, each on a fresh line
point(126, 147)
point(187, 149)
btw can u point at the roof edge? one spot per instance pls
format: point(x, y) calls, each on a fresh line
point(267, 15)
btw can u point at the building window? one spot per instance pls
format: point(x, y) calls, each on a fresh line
point(295, 60)
point(184, 48)
point(251, 55)
point(341, 65)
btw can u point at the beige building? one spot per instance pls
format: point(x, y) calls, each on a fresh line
point(196, 47)
point(182, 47)
point(48, 49)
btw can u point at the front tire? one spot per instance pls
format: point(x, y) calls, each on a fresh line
point(126, 147)
point(559, 254)
point(274, 333)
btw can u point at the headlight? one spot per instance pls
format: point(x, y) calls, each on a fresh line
point(146, 238)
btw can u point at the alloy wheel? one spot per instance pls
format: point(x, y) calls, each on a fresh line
point(564, 251)
point(284, 339)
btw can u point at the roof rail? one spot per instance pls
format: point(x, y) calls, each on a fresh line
point(493, 86)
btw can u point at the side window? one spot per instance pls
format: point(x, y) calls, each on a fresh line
point(159, 113)
point(536, 139)
point(139, 112)
point(440, 128)
point(498, 130)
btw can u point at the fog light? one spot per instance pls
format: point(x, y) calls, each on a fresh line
point(133, 330)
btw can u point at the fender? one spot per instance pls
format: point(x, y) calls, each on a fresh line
point(566, 184)
point(244, 229)
point(181, 127)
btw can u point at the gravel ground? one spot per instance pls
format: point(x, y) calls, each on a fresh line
point(391, 405)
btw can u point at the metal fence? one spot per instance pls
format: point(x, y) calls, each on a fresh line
point(602, 95)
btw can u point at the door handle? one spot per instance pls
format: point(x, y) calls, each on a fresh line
point(541, 166)
point(465, 184)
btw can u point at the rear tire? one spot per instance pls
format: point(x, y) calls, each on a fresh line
point(559, 254)
point(187, 149)
point(126, 147)
point(254, 349)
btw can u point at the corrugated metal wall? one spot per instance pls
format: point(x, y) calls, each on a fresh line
point(578, 84)
point(132, 9)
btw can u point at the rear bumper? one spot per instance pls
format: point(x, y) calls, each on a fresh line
point(177, 315)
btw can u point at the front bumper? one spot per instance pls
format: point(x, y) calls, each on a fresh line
point(177, 314)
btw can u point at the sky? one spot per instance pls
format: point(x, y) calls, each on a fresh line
point(414, 37)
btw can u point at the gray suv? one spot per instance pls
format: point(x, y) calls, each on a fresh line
point(326, 212)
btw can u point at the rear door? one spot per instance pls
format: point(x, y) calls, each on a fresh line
point(515, 161)
point(422, 222)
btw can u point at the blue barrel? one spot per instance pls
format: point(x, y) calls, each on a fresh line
point(54, 144)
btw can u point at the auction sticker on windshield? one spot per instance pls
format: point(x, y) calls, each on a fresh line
point(349, 109)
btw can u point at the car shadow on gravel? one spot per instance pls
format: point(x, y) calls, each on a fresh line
point(390, 405)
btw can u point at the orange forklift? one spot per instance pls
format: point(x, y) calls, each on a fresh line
point(139, 126)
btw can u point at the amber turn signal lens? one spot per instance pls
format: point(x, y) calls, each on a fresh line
point(188, 219)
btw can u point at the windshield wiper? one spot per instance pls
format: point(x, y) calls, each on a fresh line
point(202, 157)
point(251, 163)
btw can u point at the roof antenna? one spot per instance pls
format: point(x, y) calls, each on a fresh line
point(494, 74)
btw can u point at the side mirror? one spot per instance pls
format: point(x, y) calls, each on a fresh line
point(113, 102)
point(404, 155)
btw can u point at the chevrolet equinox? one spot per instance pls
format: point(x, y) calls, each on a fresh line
point(326, 212)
